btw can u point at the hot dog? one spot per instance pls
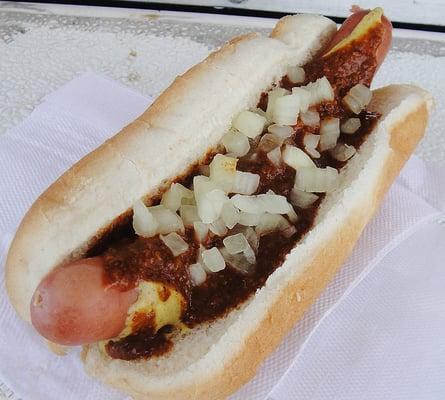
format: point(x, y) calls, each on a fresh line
point(184, 256)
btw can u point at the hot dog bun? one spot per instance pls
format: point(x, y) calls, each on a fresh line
point(177, 130)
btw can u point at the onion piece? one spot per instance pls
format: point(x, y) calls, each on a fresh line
point(197, 273)
point(245, 182)
point(261, 203)
point(310, 118)
point(173, 196)
point(144, 222)
point(168, 220)
point(249, 123)
point(274, 156)
point(329, 133)
point(249, 219)
point(310, 144)
point(213, 259)
point(235, 142)
point(250, 255)
point(342, 152)
point(302, 199)
point(235, 243)
point(286, 109)
point(268, 142)
point(292, 215)
point(282, 131)
point(223, 171)
point(189, 215)
point(175, 243)
point(321, 90)
point(209, 199)
point(296, 158)
point(350, 126)
point(236, 261)
point(296, 74)
point(230, 215)
point(357, 98)
point(316, 179)
point(304, 97)
point(272, 96)
point(201, 231)
point(271, 223)
point(218, 227)
point(252, 238)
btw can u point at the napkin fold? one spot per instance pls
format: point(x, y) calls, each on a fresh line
point(380, 337)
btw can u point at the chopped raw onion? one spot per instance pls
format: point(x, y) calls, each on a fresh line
point(144, 223)
point(321, 90)
point(175, 243)
point(201, 230)
point(282, 131)
point(218, 227)
point(209, 199)
point(223, 171)
point(272, 96)
point(358, 98)
point(172, 197)
point(250, 255)
point(230, 215)
point(296, 158)
point(252, 238)
point(274, 156)
point(286, 109)
point(249, 219)
point(292, 215)
point(350, 126)
point(310, 144)
point(310, 118)
point(304, 96)
point(271, 223)
point(245, 182)
point(236, 243)
point(198, 274)
point(189, 215)
point(235, 142)
point(249, 123)
point(237, 261)
point(168, 220)
point(329, 133)
point(317, 180)
point(213, 260)
point(261, 203)
point(302, 199)
point(269, 141)
point(342, 152)
point(296, 74)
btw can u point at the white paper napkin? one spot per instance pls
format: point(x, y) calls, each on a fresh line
point(377, 338)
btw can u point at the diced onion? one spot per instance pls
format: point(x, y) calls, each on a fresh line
point(271, 223)
point(249, 254)
point(282, 131)
point(223, 171)
point(321, 90)
point(350, 126)
point(329, 133)
point(261, 203)
point(249, 219)
point(236, 243)
point(310, 118)
point(302, 199)
point(269, 141)
point(317, 180)
point(168, 220)
point(245, 182)
point(272, 96)
point(218, 227)
point(358, 98)
point(252, 238)
point(175, 243)
point(236, 261)
point(144, 222)
point(296, 74)
point(274, 156)
point(209, 199)
point(213, 260)
point(292, 215)
point(286, 109)
point(172, 197)
point(230, 215)
point(296, 158)
point(304, 97)
point(198, 274)
point(342, 152)
point(249, 123)
point(189, 215)
point(310, 144)
point(201, 231)
point(235, 142)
